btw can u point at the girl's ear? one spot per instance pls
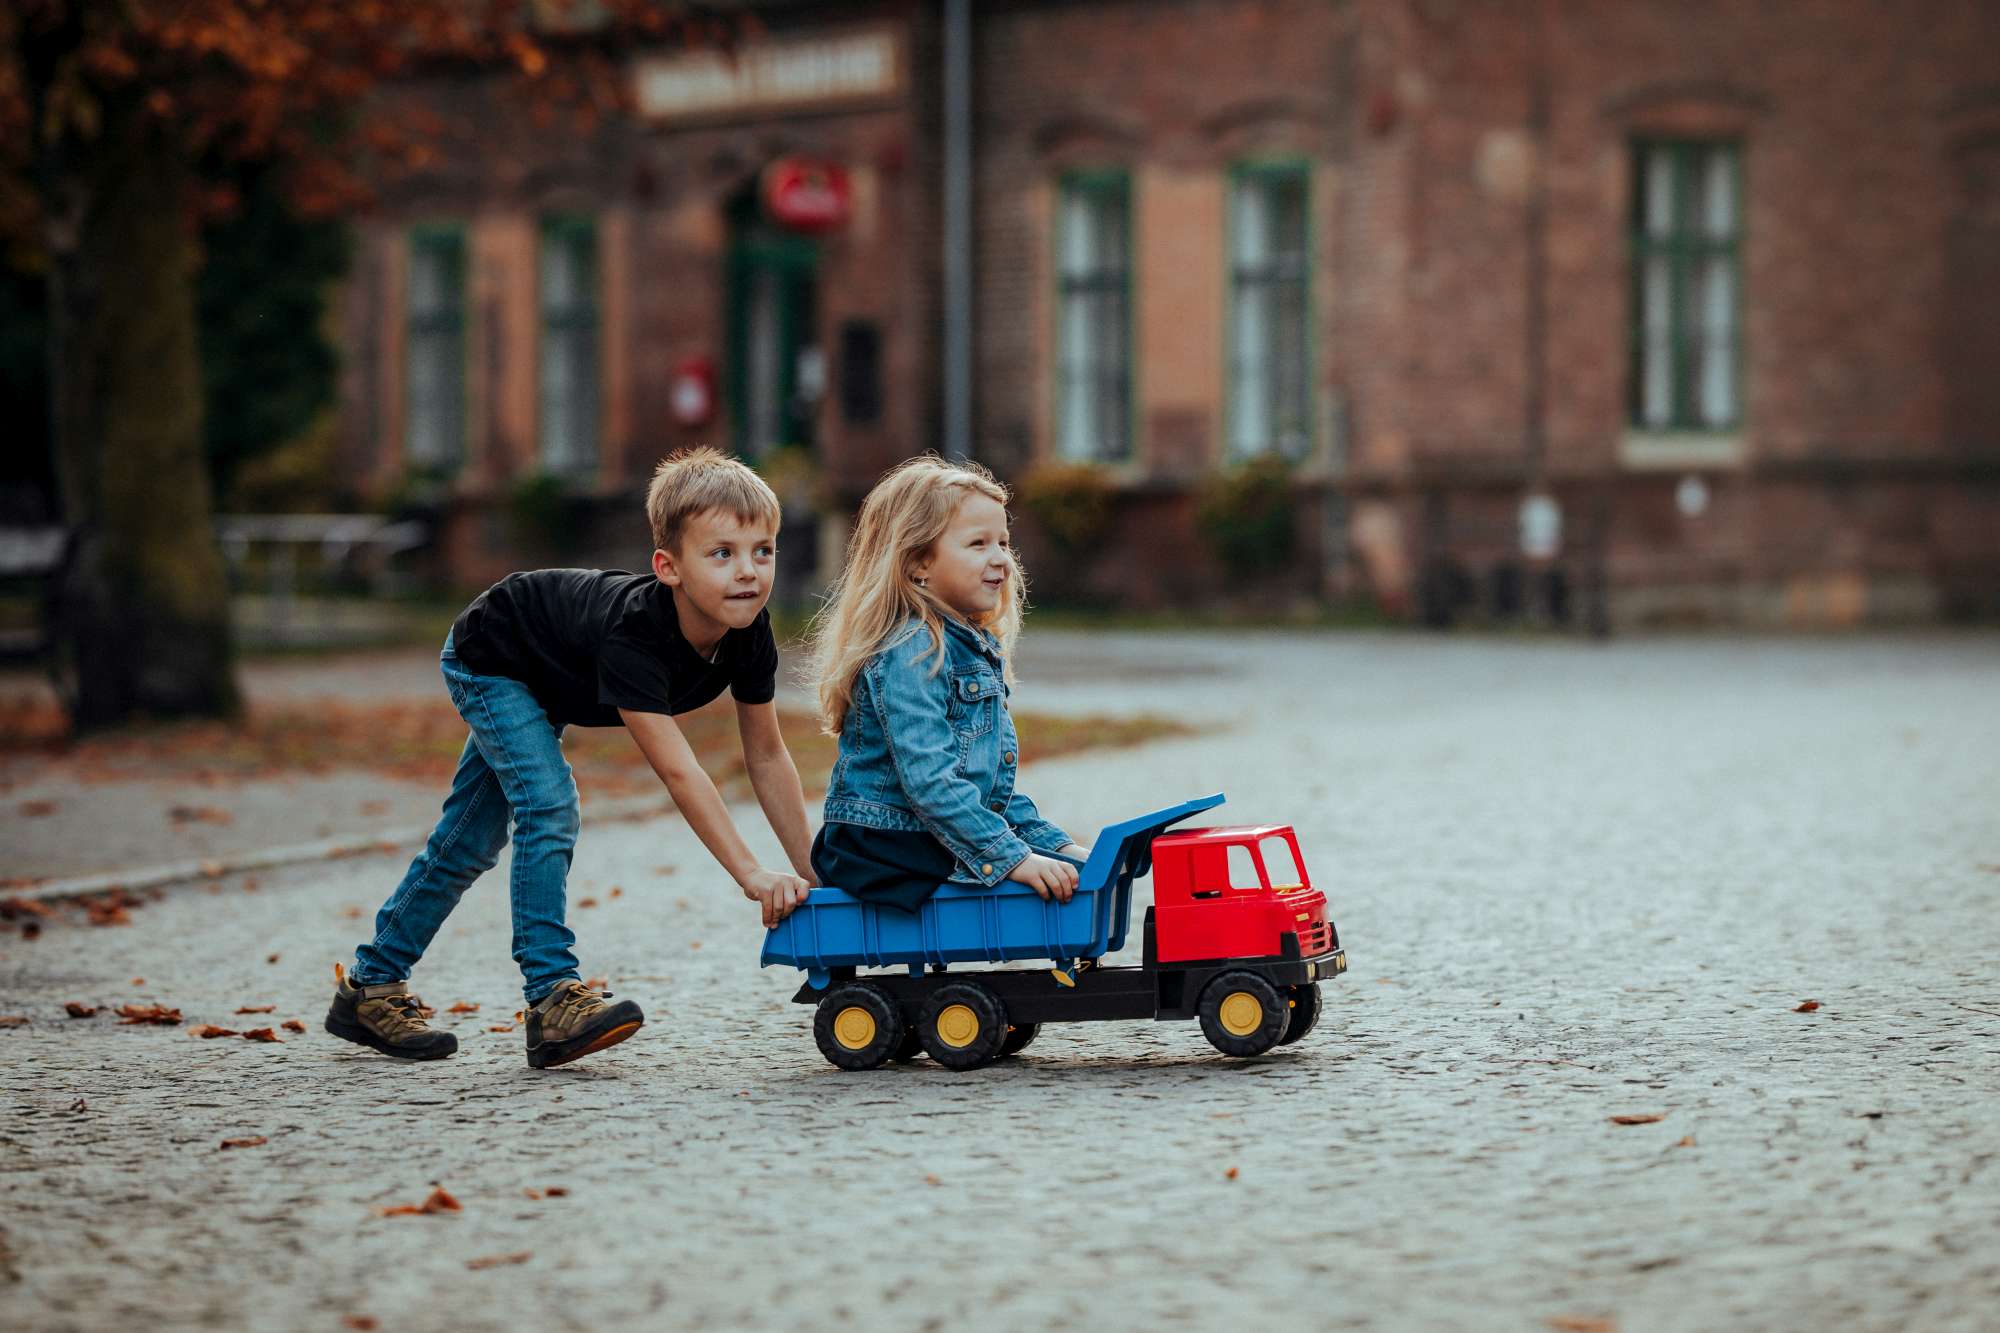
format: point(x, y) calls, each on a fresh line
point(665, 570)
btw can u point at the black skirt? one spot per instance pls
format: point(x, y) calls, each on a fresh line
point(887, 866)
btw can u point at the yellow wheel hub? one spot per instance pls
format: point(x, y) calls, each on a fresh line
point(854, 1028)
point(1241, 1014)
point(957, 1025)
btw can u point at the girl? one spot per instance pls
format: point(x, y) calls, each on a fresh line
point(911, 659)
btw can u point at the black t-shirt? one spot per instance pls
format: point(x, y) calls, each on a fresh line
point(589, 642)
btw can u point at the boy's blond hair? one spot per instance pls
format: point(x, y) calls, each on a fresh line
point(877, 592)
point(695, 481)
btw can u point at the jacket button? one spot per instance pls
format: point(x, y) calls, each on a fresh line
point(973, 689)
point(1008, 757)
point(986, 869)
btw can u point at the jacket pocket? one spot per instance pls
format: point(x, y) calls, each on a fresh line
point(975, 702)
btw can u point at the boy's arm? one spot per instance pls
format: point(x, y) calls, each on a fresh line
point(701, 805)
point(775, 779)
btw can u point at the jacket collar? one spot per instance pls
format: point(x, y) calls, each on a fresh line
point(974, 638)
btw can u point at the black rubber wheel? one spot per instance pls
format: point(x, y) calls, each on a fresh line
point(858, 1026)
point(909, 1048)
point(963, 1025)
point(1304, 1012)
point(1019, 1038)
point(1242, 1014)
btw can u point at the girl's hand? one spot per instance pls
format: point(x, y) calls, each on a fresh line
point(1046, 876)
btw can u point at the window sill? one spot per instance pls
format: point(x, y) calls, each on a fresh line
point(1645, 450)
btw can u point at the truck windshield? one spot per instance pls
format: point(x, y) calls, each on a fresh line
point(1279, 862)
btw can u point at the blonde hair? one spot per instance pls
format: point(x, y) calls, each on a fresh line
point(695, 481)
point(877, 591)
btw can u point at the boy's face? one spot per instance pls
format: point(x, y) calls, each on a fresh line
point(723, 567)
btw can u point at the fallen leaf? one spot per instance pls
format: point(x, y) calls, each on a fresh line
point(11, 908)
point(200, 814)
point(78, 1009)
point(293, 1025)
point(1637, 1119)
point(1230, 1174)
point(617, 892)
point(213, 869)
point(438, 1202)
point(148, 1013)
point(351, 913)
point(363, 1322)
point(694, 944)
point(463, 1008)
point(79, 1105)
point(257, 1009)
point(556, 1191)
point(586, 902)
point(250, 884)
point(932, 1180)
point(13, 1020)
point(498, 1260)
point(1687, 1141)
point(665, 870)
point(532, 1193)
point(31, 930)
point(1577, 1323)
point(254, 1141)
point(138, 981)
point(36, 809)
point(1806, 1006)
point(211, 1031)
point(272, 959)
point(596, 983)
point(262, 1034)
point(501, 1027)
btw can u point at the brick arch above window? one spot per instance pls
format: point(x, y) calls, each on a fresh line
point(1087, 138)
point(1262, 125)
point(1688, 108)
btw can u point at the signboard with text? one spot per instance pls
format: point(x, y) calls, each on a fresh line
point(797, 73)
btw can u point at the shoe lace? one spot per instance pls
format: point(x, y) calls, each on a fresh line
point(405, 1013)
point(577, 1002)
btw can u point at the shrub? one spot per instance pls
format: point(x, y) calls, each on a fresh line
point(1071, 503)
point(1246, 516)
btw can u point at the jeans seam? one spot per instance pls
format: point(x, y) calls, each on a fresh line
point(430, 864)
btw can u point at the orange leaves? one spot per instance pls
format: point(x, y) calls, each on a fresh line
point(158, 1014)
point(498, 1260)
point(1230, 1174)
point(13, 1020)
point(35, 809)
point(501, 1027)
point(1805, 1006)
point(463, 1008)
point(211, 1031)
point(254, 1141)
point(200, 814)
point(439, 1202)
point(1637, 1119)
point(586, 902)
point(596, 983)
point(262, 1034)
point(1578, 1323)
point(292, 1025)
point(256, 1008)
point(78, 1009)
point(362, 1322)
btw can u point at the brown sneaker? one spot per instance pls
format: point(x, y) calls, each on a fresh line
point(386, 1017)
point(573, 1020)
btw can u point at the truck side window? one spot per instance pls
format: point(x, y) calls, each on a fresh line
point(1243, 868)
point(1278, 861)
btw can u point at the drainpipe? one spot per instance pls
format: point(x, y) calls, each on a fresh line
point(958, 228)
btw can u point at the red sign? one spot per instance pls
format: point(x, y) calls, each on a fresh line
point(691, 391)
point(806, 194)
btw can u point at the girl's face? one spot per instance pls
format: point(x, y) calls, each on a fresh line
point(968, 567)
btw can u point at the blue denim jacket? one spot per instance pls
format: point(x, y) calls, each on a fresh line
point(936, 753)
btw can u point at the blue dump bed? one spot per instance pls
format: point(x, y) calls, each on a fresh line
point(965, 923)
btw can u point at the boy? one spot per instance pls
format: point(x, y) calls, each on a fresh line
point(578, 647)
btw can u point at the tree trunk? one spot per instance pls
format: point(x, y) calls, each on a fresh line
point(143, 613)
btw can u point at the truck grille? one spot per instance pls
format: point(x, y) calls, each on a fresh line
point(1315, 937)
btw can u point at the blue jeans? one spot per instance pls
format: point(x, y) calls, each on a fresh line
point(512, 765)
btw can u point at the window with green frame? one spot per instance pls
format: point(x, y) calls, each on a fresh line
point(434, 350)
point(1094, 318)
point(1687, 278)
point(567, 368)
point(1270, 310)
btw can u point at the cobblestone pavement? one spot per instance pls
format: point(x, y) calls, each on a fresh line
point(1576, 883)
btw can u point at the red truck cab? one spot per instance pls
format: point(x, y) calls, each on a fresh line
point(1235, 893)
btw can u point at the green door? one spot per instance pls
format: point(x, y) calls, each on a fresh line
point(776, 371)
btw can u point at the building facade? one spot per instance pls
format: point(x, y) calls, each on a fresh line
point(1609, 310)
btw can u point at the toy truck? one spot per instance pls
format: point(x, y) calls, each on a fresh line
point(1237, 938)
